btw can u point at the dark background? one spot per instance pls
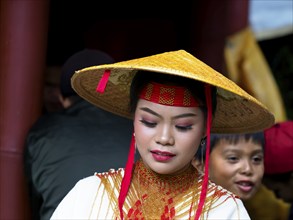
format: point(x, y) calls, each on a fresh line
point(279, 54)
point(131, 29)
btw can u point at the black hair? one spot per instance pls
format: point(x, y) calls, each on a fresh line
point(196, 88)
point(257, 137)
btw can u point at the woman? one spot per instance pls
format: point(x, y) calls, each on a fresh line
point(171, 97)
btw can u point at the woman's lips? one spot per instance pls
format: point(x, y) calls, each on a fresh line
point(162, 156)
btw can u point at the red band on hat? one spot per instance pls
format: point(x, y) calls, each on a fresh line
point(103, 82)
point(168, 95)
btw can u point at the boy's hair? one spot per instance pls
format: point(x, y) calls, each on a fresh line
point(257, 138)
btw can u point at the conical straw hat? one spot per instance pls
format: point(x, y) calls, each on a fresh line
point(237, 111)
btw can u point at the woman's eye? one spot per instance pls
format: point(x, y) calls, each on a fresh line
point(148, 124)
point(184, 128)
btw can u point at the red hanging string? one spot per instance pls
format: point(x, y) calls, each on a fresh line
point(203, 192)
point(127, 176)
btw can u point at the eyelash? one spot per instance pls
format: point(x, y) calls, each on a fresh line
point(148, 124)
point(184, 128)
point(256, 159)
point(152, 125)
point(232, 159)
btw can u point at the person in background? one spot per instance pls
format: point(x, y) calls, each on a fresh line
point(52, 94)
point(65, 146)
point(236, 162)
point(175, 101)
point(279, 161)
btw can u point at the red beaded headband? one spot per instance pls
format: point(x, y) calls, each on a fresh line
point(168, 95)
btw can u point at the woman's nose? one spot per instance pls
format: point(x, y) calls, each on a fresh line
point(165, 136)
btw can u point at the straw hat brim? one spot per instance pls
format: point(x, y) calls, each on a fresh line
point(237, 111)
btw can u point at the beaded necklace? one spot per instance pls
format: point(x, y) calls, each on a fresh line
point(164, 196)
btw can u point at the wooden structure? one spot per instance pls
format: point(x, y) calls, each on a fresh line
point(200, 27)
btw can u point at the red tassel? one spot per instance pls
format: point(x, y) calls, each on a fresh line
point(103, 82)
point(127, 176)
point(203, 192)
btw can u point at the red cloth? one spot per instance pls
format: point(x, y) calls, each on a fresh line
point(279, 148)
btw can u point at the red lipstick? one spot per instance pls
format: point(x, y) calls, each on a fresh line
point(162, 156)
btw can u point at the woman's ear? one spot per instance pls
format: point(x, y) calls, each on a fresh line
point(198, 164)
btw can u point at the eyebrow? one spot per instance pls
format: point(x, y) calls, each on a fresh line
point(175, 117)
point(239, 150)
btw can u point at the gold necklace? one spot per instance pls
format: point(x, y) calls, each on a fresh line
point(165, 196)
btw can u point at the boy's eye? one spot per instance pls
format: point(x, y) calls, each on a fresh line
point(257, 159)
point(148, 124)
point(232, 159)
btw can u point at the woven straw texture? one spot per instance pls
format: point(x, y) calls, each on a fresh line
point(236, 112)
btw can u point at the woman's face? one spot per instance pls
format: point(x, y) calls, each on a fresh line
point(237, 167)
point(167, 137)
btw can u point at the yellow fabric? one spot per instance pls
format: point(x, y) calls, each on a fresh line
point(264, 205)
point(247, 67)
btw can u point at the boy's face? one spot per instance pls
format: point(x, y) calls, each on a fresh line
point(237, 167)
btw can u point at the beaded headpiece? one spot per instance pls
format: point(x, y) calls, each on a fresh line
point(168, 95)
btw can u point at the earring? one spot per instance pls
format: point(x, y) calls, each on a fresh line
point(203, 142)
